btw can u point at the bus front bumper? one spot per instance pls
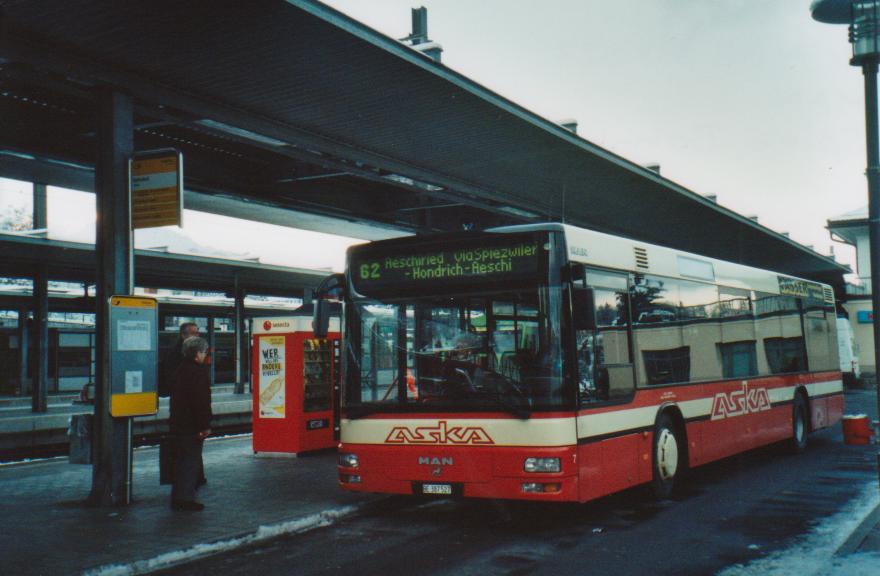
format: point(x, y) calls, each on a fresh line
point(475, 472)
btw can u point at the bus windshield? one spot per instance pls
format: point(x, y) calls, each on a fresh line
point(496, 351)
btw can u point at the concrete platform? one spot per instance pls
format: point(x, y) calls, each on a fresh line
point(25, 434)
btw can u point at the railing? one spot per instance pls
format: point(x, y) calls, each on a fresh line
point(861, 289)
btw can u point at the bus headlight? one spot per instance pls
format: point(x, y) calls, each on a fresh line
point(348, 460)
point(542, 465)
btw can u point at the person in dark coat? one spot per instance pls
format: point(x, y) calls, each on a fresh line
point(170, 360)
point(190, 421)
point(173, 356)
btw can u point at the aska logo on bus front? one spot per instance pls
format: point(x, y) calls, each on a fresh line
point(740, 402)
point(439, 434)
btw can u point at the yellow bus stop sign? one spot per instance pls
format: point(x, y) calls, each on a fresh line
point(156, 189)
point(134, 356)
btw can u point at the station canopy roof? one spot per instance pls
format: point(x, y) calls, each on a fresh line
point(75, 262)
point(292, 113)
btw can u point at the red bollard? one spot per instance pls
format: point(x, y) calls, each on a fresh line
point(857, 429)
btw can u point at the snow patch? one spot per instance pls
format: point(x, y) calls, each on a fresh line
point(31, 460)
point(298, 526)
point(813, 554)
point(866, 564)
point(208, 439)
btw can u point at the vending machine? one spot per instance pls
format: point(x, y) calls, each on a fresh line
point(295, 385)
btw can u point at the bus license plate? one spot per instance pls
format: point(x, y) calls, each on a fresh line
point(445, 489)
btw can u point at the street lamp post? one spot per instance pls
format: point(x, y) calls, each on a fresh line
point(863, 18)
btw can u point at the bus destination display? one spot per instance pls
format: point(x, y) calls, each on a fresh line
point(513, 259)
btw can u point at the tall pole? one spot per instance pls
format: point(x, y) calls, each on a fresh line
point(869, 69)
point(863, 18)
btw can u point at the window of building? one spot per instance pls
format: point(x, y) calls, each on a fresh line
point(738, 359)
point(785, 355)
point(734, 302)
point(667, 366)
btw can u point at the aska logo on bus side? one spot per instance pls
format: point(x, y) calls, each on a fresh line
point(439, 434)
point(739, 402)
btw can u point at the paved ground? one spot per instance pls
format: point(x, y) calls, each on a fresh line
point(54, 533)
point(764, 513)
point(736, 512)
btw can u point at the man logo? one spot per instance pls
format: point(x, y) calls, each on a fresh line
point(740, 402)
point(435, 461)
point(440, 434)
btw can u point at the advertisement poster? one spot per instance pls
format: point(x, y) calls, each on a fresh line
point(271, 384)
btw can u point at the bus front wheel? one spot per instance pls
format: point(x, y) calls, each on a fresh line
point(667, 456)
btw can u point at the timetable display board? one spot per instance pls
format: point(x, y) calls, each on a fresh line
point(156, 189)
point(500, 258)
point(134, 356)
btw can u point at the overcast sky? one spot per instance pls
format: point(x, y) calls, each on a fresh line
point(751, 100)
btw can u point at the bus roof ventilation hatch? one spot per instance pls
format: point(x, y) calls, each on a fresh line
point(829, 294)
point(641, 257)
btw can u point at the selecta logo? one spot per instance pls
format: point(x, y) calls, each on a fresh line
point(268, 324)
point(439, 434)
point(740, 402)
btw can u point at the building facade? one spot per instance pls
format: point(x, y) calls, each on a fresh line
point(852, 228)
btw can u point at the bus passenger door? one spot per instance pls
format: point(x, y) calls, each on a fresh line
point(608, 460)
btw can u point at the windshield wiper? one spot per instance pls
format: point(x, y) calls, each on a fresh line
point(511, 399)
point(521, 411)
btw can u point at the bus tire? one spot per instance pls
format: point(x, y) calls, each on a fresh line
point(667, 456)
point(800, 425)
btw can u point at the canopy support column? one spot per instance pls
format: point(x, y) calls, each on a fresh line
point(40, 385)
point(241, 344)
point(23, 345)
point(111, 473)
point(40, 210)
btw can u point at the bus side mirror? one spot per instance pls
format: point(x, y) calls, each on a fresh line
point(583, 310)
point(321, 318)
point(332, 287)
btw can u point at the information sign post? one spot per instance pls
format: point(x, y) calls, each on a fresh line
point(134, 356)
point(134, 359)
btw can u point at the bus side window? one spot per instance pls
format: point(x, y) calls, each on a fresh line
point(605, 370)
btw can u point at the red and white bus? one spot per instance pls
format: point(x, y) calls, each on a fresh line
point(548, 362)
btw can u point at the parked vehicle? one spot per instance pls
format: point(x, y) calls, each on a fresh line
point(555, 363)
point(848, 350)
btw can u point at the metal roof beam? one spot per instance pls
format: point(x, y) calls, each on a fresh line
point(19, 48)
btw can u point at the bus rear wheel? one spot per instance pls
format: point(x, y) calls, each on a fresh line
point(800, 426)
point(668, 461)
